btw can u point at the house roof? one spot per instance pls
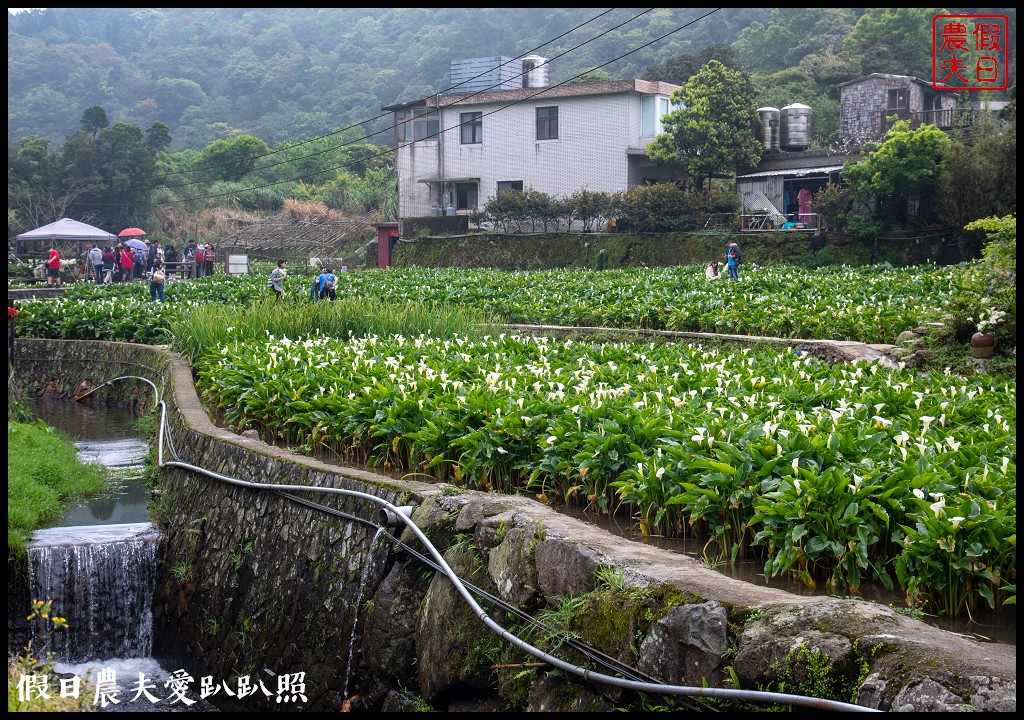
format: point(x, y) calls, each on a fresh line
point(797, 172)
point(890, 76)
point(611, 87)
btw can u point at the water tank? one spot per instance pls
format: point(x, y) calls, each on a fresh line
point(768, 127)
point(535, 71)
point(796, 127)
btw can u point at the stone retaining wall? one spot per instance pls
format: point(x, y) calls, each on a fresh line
point(260, 584)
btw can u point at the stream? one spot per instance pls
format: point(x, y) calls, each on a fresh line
point(99, 565)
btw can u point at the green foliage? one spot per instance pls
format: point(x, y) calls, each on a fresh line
point(908, 164)
point(661, 207)
point(44, 476)
point(893, 40)
point(231, 158)
point(984, 296)
point(713, 131)
point(981, 177)
point(678, 69)
point(32, 685)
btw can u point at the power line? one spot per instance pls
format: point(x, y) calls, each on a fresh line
point(377, 117)
point(541, 91)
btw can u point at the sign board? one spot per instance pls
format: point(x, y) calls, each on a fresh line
point(237, 265)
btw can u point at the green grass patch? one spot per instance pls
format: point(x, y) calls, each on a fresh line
point(44, 476)
point(208, 326)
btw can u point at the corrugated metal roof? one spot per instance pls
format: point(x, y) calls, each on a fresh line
point(798, 172)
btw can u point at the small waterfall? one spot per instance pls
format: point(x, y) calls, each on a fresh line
point(101, 578)
point(355, 613)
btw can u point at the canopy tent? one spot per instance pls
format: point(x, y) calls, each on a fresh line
point(68, 230)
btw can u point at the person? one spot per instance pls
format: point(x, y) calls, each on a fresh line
point(157, 281)
point(108, 265)
point(96, 263)
point(277, 277)
point(732, 260)
point(170, 256)
point(200, 255)
point(140, 262)
point(188, 257)
point(209, 257)
point(712, 272)
point(53, 267)
point(150, 255)
point(127, 264)
point(327, 284)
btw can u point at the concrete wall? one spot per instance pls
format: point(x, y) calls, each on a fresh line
point(257, 583)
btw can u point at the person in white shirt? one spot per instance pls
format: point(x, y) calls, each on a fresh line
point(712, 272)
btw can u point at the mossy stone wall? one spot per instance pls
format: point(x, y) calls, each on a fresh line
point(541, 252)
point(262, 582)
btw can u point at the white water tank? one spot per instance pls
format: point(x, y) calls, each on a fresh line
point(535, 71)
point(796, 127)
point(768, 127)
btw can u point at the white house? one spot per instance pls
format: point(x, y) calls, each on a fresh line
point(459, 150)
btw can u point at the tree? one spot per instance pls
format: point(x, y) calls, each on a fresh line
point(680, 68)
point(894, 40)
point(232, 158)
point(907, 165)
point(982, 172)
point(713, 132)
point(94, 119)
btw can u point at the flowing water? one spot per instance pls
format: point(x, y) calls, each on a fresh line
point(102, 578)
point(367, 566)
point(99, 566)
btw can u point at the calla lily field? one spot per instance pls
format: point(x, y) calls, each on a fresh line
point(836, 473)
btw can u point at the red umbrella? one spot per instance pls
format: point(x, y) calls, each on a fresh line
point(129, 232)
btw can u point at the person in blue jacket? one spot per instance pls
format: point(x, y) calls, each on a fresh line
point(325, 285)
point(732, 260)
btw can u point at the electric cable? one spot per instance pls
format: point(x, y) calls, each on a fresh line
point(390, 151)
point(594, 654)
point(382, 115)
point(462, 589)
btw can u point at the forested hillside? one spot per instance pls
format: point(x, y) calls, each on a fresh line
point(289, 74)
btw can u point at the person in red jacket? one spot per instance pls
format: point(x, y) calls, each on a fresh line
point(127, 264)
point(53, 267)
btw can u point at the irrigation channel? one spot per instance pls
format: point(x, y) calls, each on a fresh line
point(99, 565)
point(114, 558)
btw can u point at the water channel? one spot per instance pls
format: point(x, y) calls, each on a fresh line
point(109, 435)
point(99, 565)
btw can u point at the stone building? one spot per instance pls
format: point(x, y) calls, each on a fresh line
point(865, 103)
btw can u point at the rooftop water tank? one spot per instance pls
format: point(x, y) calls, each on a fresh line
point(535, 71)
point(768, 127)
point(796, 127)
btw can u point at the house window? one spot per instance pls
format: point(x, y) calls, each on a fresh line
point(652, 109)
point(510, 186)
point(547, 123)
point(898, 99)
point(416, 124)
point(465, 196)
point(472, 125)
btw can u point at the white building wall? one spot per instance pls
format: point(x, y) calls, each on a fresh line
point(590, 150)
point(414, 162)
point(594, 133)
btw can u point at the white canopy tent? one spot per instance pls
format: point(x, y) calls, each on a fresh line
point(68, 230)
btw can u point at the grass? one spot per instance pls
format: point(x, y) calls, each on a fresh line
point(44, 476)
point(207, 327)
